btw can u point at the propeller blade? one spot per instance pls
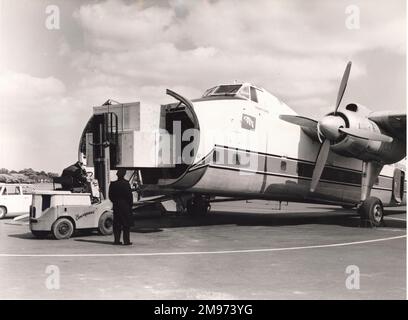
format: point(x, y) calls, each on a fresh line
point(365, 134)
point(320, 163)
point(343, 86)
point(299, 120)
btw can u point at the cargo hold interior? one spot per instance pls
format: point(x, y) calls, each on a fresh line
point(143, 138)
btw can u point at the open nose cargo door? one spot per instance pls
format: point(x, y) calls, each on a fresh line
point(159, 141)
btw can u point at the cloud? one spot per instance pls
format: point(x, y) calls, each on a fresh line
point(281, 45)
point(25, 86)
point(39, 123)
point(113, 25)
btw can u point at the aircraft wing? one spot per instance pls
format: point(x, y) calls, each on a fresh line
point(393, 123)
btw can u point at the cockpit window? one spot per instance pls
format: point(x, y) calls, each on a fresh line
point(240, 90)
point(244, 92)
point(224, 90)
point(254, 95)
point(208, 92)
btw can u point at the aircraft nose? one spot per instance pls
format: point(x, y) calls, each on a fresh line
point(329, 126)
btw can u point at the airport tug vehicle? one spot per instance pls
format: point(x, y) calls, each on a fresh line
point(77, 205)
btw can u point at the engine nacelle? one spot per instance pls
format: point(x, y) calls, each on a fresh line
point(356, 116)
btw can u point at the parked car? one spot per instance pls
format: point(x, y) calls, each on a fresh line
point(15, 199)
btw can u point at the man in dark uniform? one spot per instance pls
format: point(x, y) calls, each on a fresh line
point(121, 196)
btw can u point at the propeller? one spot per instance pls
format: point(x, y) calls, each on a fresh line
point(320, 163)
point(299, 120)
point(331, 128)
point(365, 134)
point(343, 85)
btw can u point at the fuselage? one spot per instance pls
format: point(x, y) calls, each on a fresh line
point(245, 150)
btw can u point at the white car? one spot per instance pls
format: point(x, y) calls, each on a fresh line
point(15, 199)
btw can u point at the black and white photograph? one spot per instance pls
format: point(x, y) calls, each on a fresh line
point(215, 151)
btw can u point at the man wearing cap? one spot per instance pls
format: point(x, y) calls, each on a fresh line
point(121, 196)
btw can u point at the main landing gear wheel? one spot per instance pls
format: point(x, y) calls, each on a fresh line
point(198, 206)
point(105, 224)
point(63, 228)
point(371, 212)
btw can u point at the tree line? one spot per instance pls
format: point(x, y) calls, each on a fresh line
point(25, 176)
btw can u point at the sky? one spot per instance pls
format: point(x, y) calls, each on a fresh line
point(50, 78)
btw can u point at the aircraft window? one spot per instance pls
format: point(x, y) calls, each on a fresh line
point(254, 96)
point(237, 160)
point(215, 156)
point(283, 165)
point(244, 92)
point(208, 92)
point(224, 90)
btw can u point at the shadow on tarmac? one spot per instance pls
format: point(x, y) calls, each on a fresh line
point(171, 220)
point(349, 220)
point(26, 236)
point(94, 241)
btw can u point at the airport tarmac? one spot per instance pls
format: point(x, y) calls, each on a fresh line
point(239, 251)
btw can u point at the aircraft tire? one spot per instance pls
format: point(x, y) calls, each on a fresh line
point(62, 229)
point(372, 212)
point(105, 224)
point(197, 206)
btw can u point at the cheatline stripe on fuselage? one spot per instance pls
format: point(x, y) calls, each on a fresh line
point(301, 169)
point(289, 158)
